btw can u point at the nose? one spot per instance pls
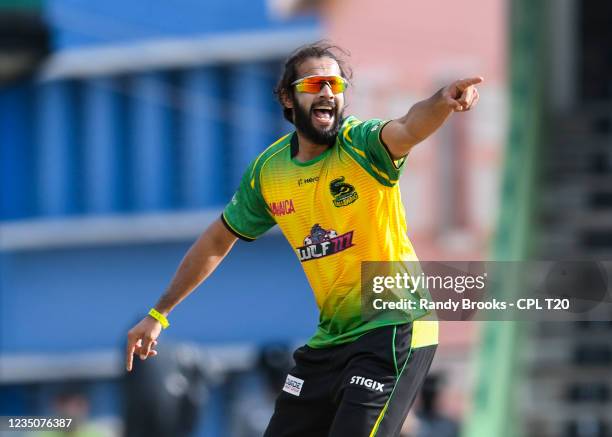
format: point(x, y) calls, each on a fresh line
point(326, 91)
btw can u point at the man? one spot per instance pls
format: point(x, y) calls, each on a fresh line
point(332, 188)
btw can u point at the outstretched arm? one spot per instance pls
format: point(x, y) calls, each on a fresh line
point(425, 117)
point(200, 261)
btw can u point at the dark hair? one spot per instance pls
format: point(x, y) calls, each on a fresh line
point(319, 49)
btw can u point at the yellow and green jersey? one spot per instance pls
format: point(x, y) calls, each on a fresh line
point(337, 210)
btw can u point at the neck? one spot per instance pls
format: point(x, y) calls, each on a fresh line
point(307, 149)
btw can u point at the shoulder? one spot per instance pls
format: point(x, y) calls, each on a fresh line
point(363, 142)
point(353, 131)
point(272, 151)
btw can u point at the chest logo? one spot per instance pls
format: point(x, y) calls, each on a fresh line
point(322, 242)
point(310, 180)
point(344, 194)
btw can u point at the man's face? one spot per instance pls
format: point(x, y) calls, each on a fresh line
point(317, 116)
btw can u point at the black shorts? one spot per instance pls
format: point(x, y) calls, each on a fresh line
point(360, 389)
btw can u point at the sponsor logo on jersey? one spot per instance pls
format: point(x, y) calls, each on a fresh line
point(369, 383)
point(293, 385)
point(307, 180)
point(283, 207)
point(322, 242)
point(344, 194)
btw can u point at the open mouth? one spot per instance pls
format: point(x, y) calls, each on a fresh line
point(323, 115)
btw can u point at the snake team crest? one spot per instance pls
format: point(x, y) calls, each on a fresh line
point(344, 193)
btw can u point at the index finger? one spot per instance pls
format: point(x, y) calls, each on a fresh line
point(464, 83)
point(131, 347)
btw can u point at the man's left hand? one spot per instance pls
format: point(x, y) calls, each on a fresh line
point(462, 95)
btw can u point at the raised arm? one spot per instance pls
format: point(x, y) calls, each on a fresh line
point(200, 261)
point(425, 117)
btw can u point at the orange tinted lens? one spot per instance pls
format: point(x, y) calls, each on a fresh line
point(313, 85)
point(308, 86)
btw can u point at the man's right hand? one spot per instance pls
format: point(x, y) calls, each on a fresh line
point(201, 260)
point(141, 341)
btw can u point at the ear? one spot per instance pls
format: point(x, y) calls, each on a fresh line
point(286, 99)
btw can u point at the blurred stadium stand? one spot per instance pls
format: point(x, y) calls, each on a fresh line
point(554, 379)
point(124, 145)
point(570, 367)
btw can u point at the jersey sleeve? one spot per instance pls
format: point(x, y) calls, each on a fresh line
point(363, 140)
point(247, 215)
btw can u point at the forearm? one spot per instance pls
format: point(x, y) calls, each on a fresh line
point(425, 117)
point(199, 262)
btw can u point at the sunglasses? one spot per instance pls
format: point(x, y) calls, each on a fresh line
point(314, 84)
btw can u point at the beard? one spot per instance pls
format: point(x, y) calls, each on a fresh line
point(303, 123)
